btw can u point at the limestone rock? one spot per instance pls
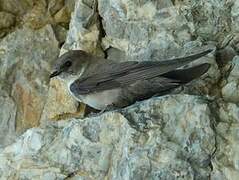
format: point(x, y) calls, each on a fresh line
point(25, 60)
point(47, 12)
point(144, 30)
point(230, 89)
point(55, 6)
point(229, 113)
point(235, 16)
point(34, 13)
point(8, 112)
point(27, 146)
point(168, 137)
point(62, 16)
point(59, 102)
point(6, 20)
point(204, 16)
point(84, 32)
point(225, 163)
point(17, 7)
point(38, 16)
point(60, 33)
point(70, 4)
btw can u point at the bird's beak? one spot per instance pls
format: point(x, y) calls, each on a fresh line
point(55, 73)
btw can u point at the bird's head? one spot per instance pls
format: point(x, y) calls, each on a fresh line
point(69, 64)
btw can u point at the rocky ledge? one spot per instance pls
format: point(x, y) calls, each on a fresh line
point(189, 134)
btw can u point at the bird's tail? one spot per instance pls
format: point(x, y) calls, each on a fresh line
point(188, 74)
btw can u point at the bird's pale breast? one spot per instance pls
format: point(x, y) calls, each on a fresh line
point(100, 100)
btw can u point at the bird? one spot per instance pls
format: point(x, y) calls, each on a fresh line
point(105, 84)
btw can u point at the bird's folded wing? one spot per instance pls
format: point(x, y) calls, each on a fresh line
point(127, 73)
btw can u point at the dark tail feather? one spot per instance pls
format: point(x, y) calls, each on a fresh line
point(187, 75)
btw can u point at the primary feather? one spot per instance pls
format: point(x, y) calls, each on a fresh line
point(116, 75)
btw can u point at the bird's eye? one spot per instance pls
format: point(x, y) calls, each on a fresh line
point(68, 63)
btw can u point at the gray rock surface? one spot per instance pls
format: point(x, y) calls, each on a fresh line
point(235, 16)
point(84, 32)
point(35, 14)
point(8, 112)
point(25, 60)
point(145, 30)
point(230, 89)
point(225, 163)
point(163, 138)
point(171, 137)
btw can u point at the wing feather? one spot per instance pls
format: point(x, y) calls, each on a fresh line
point(126, 73)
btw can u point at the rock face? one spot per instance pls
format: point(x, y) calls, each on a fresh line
point(84, 32)
point(25, 60)
point(134, 26)
point(59, 101)
point(191, 135)
point(34, 14)
point(163, 145)
point(226, 160)
point(230, 90)
point(8, 113)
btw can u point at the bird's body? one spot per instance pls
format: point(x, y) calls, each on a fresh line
point(101, 83)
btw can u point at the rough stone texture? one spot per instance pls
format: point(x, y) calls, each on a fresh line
point(211, 19)
point(159, 29)
point(226, 161)
point(24, 166)
point(43, 12)
point(172, 137)
point(34, 14)
point(84, 32)
point(172, 140)
point(26, 56)
point(25, 60)
point(230, 89)
point(17, 7)
point(144, 30)
point(6, 20)
point(235, 17)
point(59, 101)
point(8, 112)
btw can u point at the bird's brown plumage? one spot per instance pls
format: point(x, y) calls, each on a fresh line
point(100, 82)
point(116, 75)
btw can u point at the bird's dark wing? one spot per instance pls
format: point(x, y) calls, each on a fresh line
point(127, 73)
